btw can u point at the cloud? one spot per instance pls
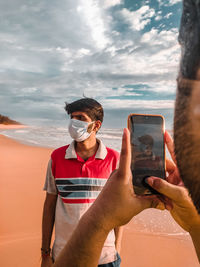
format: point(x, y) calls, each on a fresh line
point(173, 2)
point(158, 17)
point(110, 3)
point(91, 13)
point(168, 2)
point(168, 15)
point(139, 104)
point(166, 38)
point(51, 53)
point(138, 19)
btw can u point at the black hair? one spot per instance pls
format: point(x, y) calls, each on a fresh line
point(88, 105)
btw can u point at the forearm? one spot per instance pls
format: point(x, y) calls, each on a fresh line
point(118, 237)
point(84, 247)
point(47, 226)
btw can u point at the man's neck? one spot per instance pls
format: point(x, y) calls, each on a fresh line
point(87, 148)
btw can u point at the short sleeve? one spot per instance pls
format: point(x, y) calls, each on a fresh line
point(50, 185)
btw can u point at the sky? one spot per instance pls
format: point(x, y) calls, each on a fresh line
point(123, 53)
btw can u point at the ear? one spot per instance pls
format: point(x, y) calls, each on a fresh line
point(97, 125)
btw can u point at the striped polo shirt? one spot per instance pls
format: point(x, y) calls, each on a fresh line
point(77, 184)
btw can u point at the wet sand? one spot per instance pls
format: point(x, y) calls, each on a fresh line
point(22, 177)
point(12, 126)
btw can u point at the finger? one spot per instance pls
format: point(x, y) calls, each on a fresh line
point(147, 202)
point(161, 206)
point(125, 156)
point(172, 179)
point(173, 192)
point(170, 145)
point(174, 176)
point(170, 166)
point(166, 202)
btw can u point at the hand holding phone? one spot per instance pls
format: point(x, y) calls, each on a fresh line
point(148, 150)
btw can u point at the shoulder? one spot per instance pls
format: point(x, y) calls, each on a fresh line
point(112, 153)
point(59, 151)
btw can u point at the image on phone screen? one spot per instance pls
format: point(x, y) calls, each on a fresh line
point(148, 151)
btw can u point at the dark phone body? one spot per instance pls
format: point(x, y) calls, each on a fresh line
point(148, 150)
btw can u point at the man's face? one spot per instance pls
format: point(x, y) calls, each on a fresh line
point(82, 116)
point(148, 150)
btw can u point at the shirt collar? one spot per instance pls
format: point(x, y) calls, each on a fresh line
point(71, 152)
point(100, 154)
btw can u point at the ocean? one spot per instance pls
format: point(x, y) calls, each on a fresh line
point(55, 136)
point(52, 132)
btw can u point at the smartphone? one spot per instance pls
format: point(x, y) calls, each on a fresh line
point(148, 150)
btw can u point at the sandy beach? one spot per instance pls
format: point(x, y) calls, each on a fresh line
point(22, 175)
point(151, 250)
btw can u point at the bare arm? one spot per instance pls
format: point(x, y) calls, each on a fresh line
point(48, 221)
point(118, 238)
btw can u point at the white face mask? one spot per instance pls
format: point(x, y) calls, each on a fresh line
point(78, 130)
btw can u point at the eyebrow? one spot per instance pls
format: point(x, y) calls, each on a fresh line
point(78, 116)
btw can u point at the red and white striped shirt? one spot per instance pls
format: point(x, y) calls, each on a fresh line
point(78, 183)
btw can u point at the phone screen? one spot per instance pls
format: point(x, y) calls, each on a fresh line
point(148, 150)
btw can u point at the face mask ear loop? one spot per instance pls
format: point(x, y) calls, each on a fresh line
point(90, 123)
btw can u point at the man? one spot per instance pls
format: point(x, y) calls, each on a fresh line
point(117, 204)
point(75, 176)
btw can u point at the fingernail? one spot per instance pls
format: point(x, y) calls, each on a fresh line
point(149, 181)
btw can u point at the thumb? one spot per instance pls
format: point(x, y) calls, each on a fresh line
point(171, 191)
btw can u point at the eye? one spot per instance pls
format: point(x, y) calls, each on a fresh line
point(81, 118)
